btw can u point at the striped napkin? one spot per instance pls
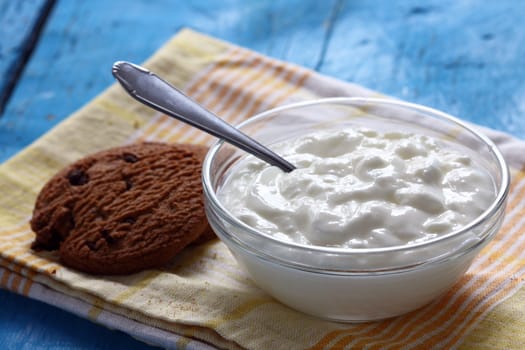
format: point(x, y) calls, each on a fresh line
point(203, 299)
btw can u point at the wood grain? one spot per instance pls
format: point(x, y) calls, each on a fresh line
point(22, 22)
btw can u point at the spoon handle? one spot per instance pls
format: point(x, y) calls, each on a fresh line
point(158, 94)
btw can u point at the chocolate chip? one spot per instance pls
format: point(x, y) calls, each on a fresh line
point(54, 242)
point(72, 222)
point(129, 184)
point(105, 234)
point(129, 220)
point(77, 177)
point(130, 158)
point(91, 245)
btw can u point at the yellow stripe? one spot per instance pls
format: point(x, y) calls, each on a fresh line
point(11, 241)
point(252, 73)
point(96, 309)
point(15, 282)
point(273, 84)
point(271, 78)
point(517, 181)
point(239, 312)
point(13, 230)
point(222, 87)
point(183, 341)
point(130, 291)
point(29, 282)
point(217, 83)
point(115, 109)
point(32, 261)
point(151, 127)
point(227, 60)
point(242, 94)
point(164, 128)
point(137, 286)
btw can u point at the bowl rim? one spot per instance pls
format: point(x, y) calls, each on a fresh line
point(503, 186)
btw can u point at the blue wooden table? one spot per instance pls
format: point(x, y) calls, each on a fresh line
point(463, 57)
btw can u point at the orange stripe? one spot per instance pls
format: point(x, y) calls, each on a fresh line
point(15, 282)
point(153, 125)
point(517, 180)
point(341, 343)
point(245, 93)
point(297, 86)
point(221, 89)
point(163, 128)
point(274, 80)
point(385, 340)
point(428, 312)
point(8, 248)
point(32, 261)
point(283, 97)
point(16, 269)
point(215, 81)
point(333, 335)
point(223, 62)
point(501, 282)
point(289, 74)
point(5, 278)
point(365, 337)
point(504, 291)
point(29, 282)
point(284, 94)
point(180, 134)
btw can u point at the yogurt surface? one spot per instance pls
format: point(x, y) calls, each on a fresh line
point(359, 189)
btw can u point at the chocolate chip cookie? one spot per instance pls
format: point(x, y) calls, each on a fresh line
point(124, 209)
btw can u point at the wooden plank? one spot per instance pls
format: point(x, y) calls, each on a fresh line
point(20, 24)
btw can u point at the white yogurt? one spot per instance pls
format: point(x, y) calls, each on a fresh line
point(359, 189)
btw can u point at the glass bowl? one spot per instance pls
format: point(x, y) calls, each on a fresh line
point(355, 285)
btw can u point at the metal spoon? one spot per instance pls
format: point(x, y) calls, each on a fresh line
point(149, 89)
